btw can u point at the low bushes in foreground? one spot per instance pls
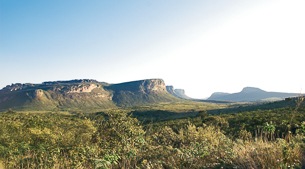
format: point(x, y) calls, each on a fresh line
point(116, 140)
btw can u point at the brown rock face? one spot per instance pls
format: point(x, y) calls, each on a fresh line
point(142, 86)
point(83, 88)
point(17, 86)
point(38, 93)
point(152, 85)
point(83, 94)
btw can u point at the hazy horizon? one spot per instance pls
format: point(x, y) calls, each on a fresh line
point(199, 46)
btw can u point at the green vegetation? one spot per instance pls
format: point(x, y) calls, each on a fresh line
point(129, 99)
point(168, 111)
point(272, 138)
point(84, 95)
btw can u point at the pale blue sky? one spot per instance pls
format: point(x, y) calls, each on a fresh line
point(200, 46)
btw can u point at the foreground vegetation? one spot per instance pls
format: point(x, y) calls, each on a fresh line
point(115, 139)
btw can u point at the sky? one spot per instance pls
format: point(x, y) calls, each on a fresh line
point(201, 46)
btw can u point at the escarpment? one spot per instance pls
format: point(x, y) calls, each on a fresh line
point(83, 94)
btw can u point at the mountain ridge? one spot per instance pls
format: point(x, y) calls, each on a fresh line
point(83, 94)
point(250, 94)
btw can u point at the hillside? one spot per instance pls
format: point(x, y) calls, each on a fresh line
point(83, 94)
point(75, 94)
point(140, 92)
point(250, 94)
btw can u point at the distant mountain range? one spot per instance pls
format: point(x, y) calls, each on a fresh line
point(180, 93)
point(87, 94)
point(251, 94)
point(84, 94)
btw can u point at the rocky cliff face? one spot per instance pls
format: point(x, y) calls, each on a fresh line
point(153, 85)
point(170, 89)
point(83, 94)
point(143, 86)
point(180, 93)
point(18, 86)
point(140, 92)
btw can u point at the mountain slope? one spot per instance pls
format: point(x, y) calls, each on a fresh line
point(250, 94)
point(140, 92)
point(217, 95)
point(83, 94)
point(78, 94)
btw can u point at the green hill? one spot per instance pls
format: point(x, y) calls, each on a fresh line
point(83, 95)
point(140, 92)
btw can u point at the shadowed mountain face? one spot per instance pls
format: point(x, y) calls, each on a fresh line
point(140, 92)
point(250, 94)
point(83, 94)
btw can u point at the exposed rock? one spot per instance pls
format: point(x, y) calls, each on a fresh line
point(144, 86)
point(71, 81)
point(153, 85)
point(180, 93)
point(38, 93)
point(170, 89)
point(140, 92)
point(17, 86)
point(83, 94)
point(86, 88)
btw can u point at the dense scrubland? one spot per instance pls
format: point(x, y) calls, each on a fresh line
point(268, 138)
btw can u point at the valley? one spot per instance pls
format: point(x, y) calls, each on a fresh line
point(144, 124)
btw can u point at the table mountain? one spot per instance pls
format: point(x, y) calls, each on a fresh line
point(85, 94)
point(180, 93)
point(250, 94)
point(140, 92)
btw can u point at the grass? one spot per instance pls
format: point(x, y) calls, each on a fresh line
point(267, 154)
point(1, 165)
point(186, 106)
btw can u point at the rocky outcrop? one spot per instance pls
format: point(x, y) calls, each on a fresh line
point(140, 92)
point(180, 93)
point(170, 89)
point(83, 88)
point(73, 94)
point(152, 85)
point(18, 86)
point(83, 94)
point(143, 86)
point(38, 93)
